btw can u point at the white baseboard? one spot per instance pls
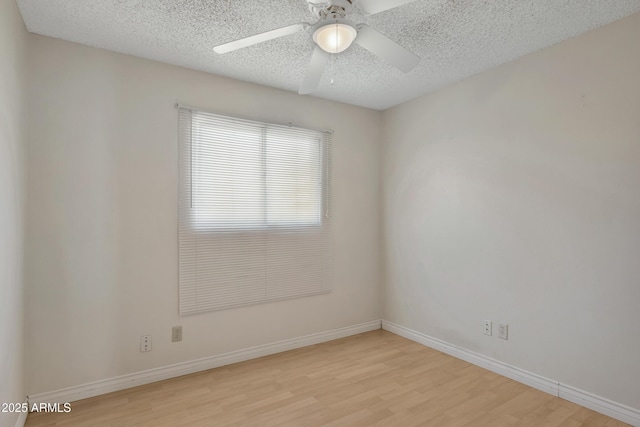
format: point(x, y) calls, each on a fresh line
point(83, 391)
point(582, 398)
point(600, 404)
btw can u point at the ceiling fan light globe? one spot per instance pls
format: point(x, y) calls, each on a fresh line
point(334, 37)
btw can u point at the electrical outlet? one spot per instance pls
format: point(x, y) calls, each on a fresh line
point(487, 327)
point(176, 333)
point(145, 343)
point(503, 331)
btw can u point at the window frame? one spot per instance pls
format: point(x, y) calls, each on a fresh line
point(265, 224)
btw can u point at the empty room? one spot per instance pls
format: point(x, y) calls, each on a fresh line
point(320, 213)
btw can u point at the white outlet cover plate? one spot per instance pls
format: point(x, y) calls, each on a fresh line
point(503, 331)
point(145, 343)
point(486, 327)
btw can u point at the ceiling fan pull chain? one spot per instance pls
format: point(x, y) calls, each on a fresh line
point(331, 74)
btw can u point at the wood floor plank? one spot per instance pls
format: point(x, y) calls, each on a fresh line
point(371, 379)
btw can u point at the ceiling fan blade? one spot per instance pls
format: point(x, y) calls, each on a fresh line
point(259, 38)
point(382, 46)
point(314, 72)
point(377, 6)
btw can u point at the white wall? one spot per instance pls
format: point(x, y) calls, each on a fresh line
point(102, 240)
point(515, 196)
point(13, 59)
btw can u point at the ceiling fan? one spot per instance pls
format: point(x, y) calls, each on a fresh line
point(332, 33)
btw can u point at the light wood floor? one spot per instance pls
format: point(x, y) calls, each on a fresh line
point(372, 379)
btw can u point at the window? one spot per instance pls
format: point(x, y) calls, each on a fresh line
point(254, 212)
point(252, 175)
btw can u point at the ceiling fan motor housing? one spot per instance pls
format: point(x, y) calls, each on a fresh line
point(334, 9)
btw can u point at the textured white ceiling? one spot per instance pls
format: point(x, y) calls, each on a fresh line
point(454, 38)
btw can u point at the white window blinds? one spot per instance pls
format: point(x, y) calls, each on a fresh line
point(254, 221)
